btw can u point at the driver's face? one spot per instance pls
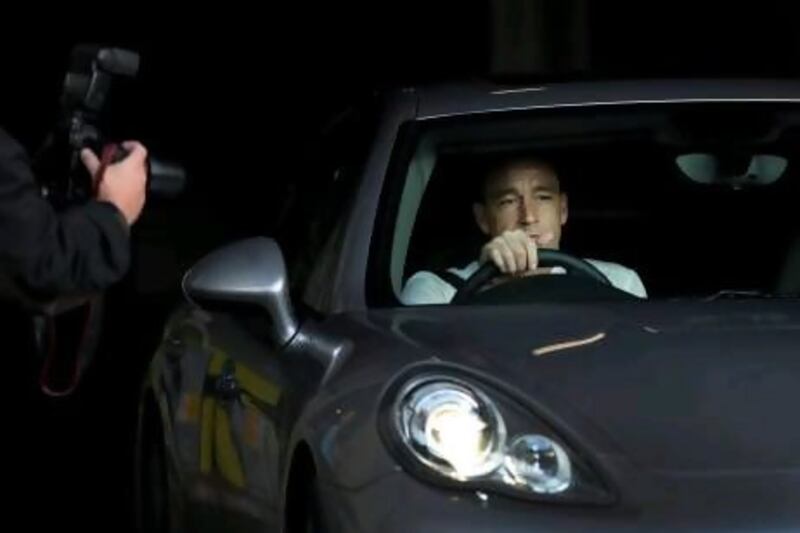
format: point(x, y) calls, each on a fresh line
point(525, 197)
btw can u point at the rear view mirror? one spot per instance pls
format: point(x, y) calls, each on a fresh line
point(732, 170)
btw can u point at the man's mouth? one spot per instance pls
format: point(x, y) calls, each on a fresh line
point(541, 239)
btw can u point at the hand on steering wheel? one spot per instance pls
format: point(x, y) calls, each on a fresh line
point(546, 258)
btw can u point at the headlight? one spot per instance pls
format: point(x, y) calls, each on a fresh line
point(455, 429)
point(539, 462)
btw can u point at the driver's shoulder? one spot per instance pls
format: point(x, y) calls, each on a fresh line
point(620, 276)
point(429, 287)
point(608, 266)
point(466, 271)
point(442, 276)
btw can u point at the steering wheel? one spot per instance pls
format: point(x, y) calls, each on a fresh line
point(547, 258)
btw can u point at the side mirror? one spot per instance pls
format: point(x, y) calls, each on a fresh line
point(251, 271)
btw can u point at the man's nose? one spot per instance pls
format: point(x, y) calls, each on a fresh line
point(528, 213)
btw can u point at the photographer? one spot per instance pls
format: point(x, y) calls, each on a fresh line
point(46, 253)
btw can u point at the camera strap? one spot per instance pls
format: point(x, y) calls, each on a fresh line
point(69, 340)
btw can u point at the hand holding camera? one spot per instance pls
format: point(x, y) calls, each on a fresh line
point(120, 181)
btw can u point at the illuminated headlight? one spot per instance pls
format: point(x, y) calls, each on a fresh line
point(454, 428)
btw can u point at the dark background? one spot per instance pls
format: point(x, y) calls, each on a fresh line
point(243, 110)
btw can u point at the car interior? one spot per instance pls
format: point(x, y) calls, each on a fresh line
point(701, 200)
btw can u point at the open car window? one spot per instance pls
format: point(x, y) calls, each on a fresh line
point(699, 199)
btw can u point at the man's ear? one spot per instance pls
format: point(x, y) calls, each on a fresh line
point(479, 210)
point(564, 208)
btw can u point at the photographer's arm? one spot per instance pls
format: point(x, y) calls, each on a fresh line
point(55, 254)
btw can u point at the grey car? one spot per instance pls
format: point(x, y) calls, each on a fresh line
point(285, 398)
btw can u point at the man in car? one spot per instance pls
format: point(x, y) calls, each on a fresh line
point(522, 210)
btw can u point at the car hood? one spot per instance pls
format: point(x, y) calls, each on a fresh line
point(675, 387)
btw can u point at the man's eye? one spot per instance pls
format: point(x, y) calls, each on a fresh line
point(545, 196)
point(506, 201)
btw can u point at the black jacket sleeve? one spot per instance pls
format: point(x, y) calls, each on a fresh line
point(48, 253)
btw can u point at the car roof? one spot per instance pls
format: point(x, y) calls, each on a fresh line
point(456, 99)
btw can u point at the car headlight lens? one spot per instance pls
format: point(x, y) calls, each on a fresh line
point(540, 463)
point(454, 428)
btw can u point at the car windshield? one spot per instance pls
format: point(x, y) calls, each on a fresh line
point(666, 201)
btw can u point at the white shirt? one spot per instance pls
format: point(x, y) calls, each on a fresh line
point(427, 288)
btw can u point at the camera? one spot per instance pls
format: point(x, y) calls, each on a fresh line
point(86, 120)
